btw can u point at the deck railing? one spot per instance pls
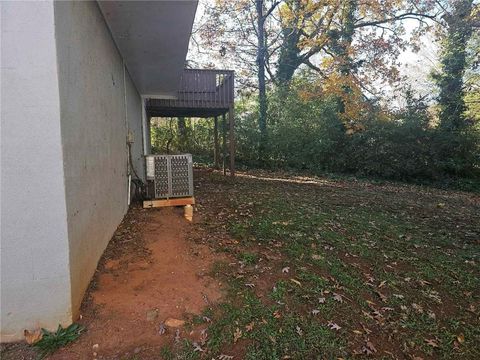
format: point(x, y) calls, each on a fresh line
point(202, 88)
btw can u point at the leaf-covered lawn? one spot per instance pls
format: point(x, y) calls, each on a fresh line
point(329, 269)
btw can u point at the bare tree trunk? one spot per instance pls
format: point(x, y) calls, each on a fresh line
point(262, 93)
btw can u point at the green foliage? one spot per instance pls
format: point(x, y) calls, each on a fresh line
point(309, 135)
point(306, 133)
point(453, 65)
point(197, 136)
point(52, 341)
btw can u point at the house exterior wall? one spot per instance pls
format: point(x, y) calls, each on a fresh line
point(98, 103)
point(134, 124)
point(35, 281)
point(68, 107)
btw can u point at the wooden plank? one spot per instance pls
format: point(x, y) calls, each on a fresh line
point(231, 119)
point(169, 202)
point(216, 149)
point(224, 144)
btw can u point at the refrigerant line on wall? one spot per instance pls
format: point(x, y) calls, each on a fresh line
point(130, 167)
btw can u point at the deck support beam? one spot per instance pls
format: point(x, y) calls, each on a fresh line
point(216, 150)
point(231, 119)
point(224, 143)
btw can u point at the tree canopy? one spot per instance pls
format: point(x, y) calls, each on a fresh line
point(325, 80)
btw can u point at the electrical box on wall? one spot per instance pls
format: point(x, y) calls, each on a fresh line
point(169, 176)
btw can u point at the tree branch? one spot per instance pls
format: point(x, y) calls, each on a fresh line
point(407, 15)
point(274, 5)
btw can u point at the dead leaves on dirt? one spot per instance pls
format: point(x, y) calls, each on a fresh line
point(32, 337)
point(368, 348)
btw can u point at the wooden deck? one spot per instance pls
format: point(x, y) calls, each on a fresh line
point(202, 93)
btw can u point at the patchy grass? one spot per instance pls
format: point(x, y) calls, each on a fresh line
point(52, 341)
point(335, 269)
point(248, 258)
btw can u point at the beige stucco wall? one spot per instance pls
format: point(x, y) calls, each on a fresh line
point(63, 157)
point(97, 101)
point(35, 280)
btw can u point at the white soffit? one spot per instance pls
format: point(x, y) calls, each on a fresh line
point(153, 38)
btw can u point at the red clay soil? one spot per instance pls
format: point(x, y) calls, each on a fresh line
point(142, 280)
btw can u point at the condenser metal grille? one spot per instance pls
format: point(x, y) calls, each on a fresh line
point(161, 177)
point(180, 166)
point(173, 175)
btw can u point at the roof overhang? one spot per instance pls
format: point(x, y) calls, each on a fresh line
point(152, 37)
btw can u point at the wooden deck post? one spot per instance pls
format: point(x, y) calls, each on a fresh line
point(216, 150)
point(224, 144)
point(231, 119)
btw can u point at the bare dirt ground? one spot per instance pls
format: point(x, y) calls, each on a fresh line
point(149, 273)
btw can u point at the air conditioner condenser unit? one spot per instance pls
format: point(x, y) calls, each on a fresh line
point(169, 176)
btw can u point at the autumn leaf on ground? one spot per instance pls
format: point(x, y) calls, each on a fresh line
point(197, 348)
point(203, 336)
point(333, 326)
point(237, 335)
point(299, 330)
point(285, 223)
point(367, 315)
point(315, 312)
point(367, 330)
point(424, 282)
point(32, 337)
point(418, 308)
point(322, 300)
point(296, 282)
point(285, 270)
point(382, 297)
point(225, 357)
point(431, 342)
point(368, 348)
point(338, 297)
point(249, 327)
